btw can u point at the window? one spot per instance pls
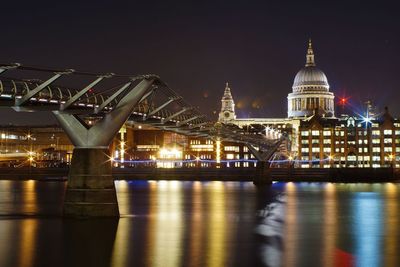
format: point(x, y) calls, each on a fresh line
point(232, 148)
point(327, 141)
point(327, 133)
point(376, 132)
point(315, 133)
point(230, 156)
point(304, 149)
point(387, 149)
point(376, 141)
point(305, 141)
point(376, 149)
point(315, 149)
point(387, 140)
point(305, 133)
point(327, 149)
point(387, 132)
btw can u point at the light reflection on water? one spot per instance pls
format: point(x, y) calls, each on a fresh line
point(170, 223)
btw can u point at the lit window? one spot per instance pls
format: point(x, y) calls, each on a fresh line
point(327, 149)
point(315, 149)
point(376, 149)
point(230, 156)
point(327, 141)
point(304, 142)
point(315, 132)
point(387, 140)
point(304, 133)
point(387, 149)
point(388, 132)
point(376, 158)
point(376, 132)
point(376, 141)
point(327, 133)
point(304, 149)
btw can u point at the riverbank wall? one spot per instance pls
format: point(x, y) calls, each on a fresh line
point(351, 175)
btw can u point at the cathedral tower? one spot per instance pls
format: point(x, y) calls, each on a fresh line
point(227, 112)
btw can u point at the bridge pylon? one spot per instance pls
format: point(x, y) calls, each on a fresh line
point(263, 171)
point(90, 188)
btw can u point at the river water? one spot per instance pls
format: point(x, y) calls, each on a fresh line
point(171, 223)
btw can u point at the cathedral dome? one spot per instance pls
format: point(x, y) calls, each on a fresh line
point(310, 76)
point(310, 91)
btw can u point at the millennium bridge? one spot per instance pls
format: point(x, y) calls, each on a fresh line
point(92, 107)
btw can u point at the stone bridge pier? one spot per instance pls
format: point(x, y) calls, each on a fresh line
point(90, 189)
point(263, 171)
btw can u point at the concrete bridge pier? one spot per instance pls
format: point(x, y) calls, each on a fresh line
point(263, 174)
point(90, 189)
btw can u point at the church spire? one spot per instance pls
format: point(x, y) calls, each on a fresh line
point(310, 55)
point(228, 106)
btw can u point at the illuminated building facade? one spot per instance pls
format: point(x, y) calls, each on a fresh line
point(349, 142)
point(34, 146)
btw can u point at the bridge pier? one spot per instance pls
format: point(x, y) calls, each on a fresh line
point(90, 190)
point(263, 171)
point(263, 174)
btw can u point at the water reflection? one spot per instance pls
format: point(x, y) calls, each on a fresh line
point(391, 225)
point(206, 224)
point(330, 225)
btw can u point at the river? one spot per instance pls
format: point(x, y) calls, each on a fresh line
point(171, 223)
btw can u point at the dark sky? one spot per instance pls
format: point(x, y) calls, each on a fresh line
point(257, 46)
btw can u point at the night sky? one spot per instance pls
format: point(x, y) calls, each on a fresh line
point(257, 47)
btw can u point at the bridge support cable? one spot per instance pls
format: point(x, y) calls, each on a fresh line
point(187, 121)
point(175, 115)
point(91, 190)
point(4, 68)
point(39, 88)
point(113, 97)
point(151, 113)
point(78, 95)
